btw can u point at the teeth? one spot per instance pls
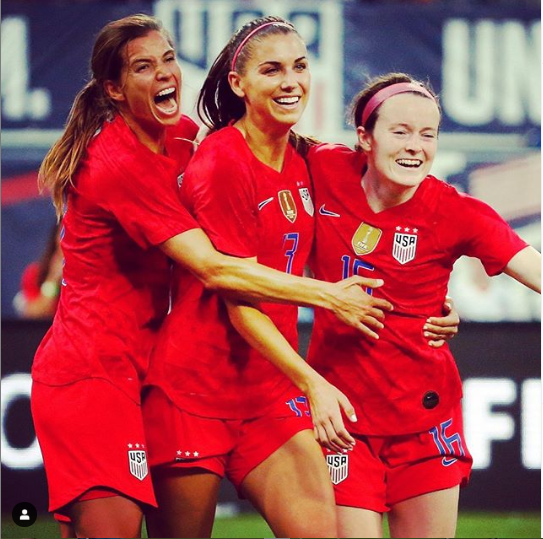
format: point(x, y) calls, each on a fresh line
point(287, 100)
point(167, 91)
point(409, 162)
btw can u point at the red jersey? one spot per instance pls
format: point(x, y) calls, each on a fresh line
point(397, 384)
point(115, 293)
point(248, 210)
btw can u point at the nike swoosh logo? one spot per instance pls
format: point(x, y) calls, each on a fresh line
point(322, 211)
point(264, 202)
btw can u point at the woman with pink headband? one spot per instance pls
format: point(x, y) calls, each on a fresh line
point(230, 409)
point(379, 212)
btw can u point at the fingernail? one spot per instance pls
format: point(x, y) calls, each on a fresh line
point(426, 334)
point(353, 418)
point(425, 328)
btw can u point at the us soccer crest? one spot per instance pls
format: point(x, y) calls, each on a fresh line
point(338, 465)
point(288, 206)
point(404, 246)
point(365, 239)
point(137, 459)
point(306, 200)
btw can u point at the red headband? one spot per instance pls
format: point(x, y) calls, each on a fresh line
point(382, 95)
point(249, 36)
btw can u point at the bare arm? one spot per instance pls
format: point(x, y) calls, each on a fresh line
point(245, 279)
point(326, 401)
point(525, 267)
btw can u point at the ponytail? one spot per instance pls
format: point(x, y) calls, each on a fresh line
point(89, 111)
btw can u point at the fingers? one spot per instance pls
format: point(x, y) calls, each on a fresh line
point(444, 321)
point(365, 330)
point(383, 304)
point(330, 430)
point(348, 409)
point(440, 331)
point(437, 343)
point(364, 281)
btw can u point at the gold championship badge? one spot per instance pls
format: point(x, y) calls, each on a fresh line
point(365, 239)
point(288, 206)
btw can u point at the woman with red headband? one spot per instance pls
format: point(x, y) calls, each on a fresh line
point(229, 409)
point(381, 213)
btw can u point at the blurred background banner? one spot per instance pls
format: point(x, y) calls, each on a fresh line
point(484, 60)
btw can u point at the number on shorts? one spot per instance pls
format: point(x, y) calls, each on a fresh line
point(293, 405)
point(445, 443)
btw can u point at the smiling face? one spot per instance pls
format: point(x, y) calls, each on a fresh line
point(402, 146)
point(148, 94)
point(275, 81)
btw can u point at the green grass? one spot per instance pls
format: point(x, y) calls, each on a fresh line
point(489, 525)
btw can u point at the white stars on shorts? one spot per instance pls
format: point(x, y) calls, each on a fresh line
point(137, 446)
point(182, 455)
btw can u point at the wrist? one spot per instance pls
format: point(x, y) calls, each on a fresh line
point(326, 297)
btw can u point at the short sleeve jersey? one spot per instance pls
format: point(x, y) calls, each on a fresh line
point(248, 210)
point(115, 291)
point(398, 384)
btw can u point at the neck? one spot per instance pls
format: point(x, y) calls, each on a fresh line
point(151, 136)
point(268, 147)
point(382, 195)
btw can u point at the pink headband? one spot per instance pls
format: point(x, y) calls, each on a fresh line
point(249, 36)
point(389, 91)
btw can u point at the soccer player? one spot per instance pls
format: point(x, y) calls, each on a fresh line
point(227, 409)
point(380, 213)
point(113, 175)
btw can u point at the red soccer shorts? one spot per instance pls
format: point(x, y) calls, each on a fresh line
point(383, 470)
point(228, 447)
point(91, 437)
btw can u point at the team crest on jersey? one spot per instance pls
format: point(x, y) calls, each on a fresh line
point(307, 201)
point(404, 246)
point(137, 459)
point(338, 466)
point(288, 206)
point(365, 239)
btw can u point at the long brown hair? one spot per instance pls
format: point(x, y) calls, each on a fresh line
point(92, 106)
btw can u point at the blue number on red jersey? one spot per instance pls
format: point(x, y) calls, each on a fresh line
point(352, 269)
point(289, 253)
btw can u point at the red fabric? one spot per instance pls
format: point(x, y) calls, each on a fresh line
point(29, 281)
point(225, 447)
point(386, 380)
point(200, 361)
point(383, 471)
point(116, 282)
point(86, 430)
